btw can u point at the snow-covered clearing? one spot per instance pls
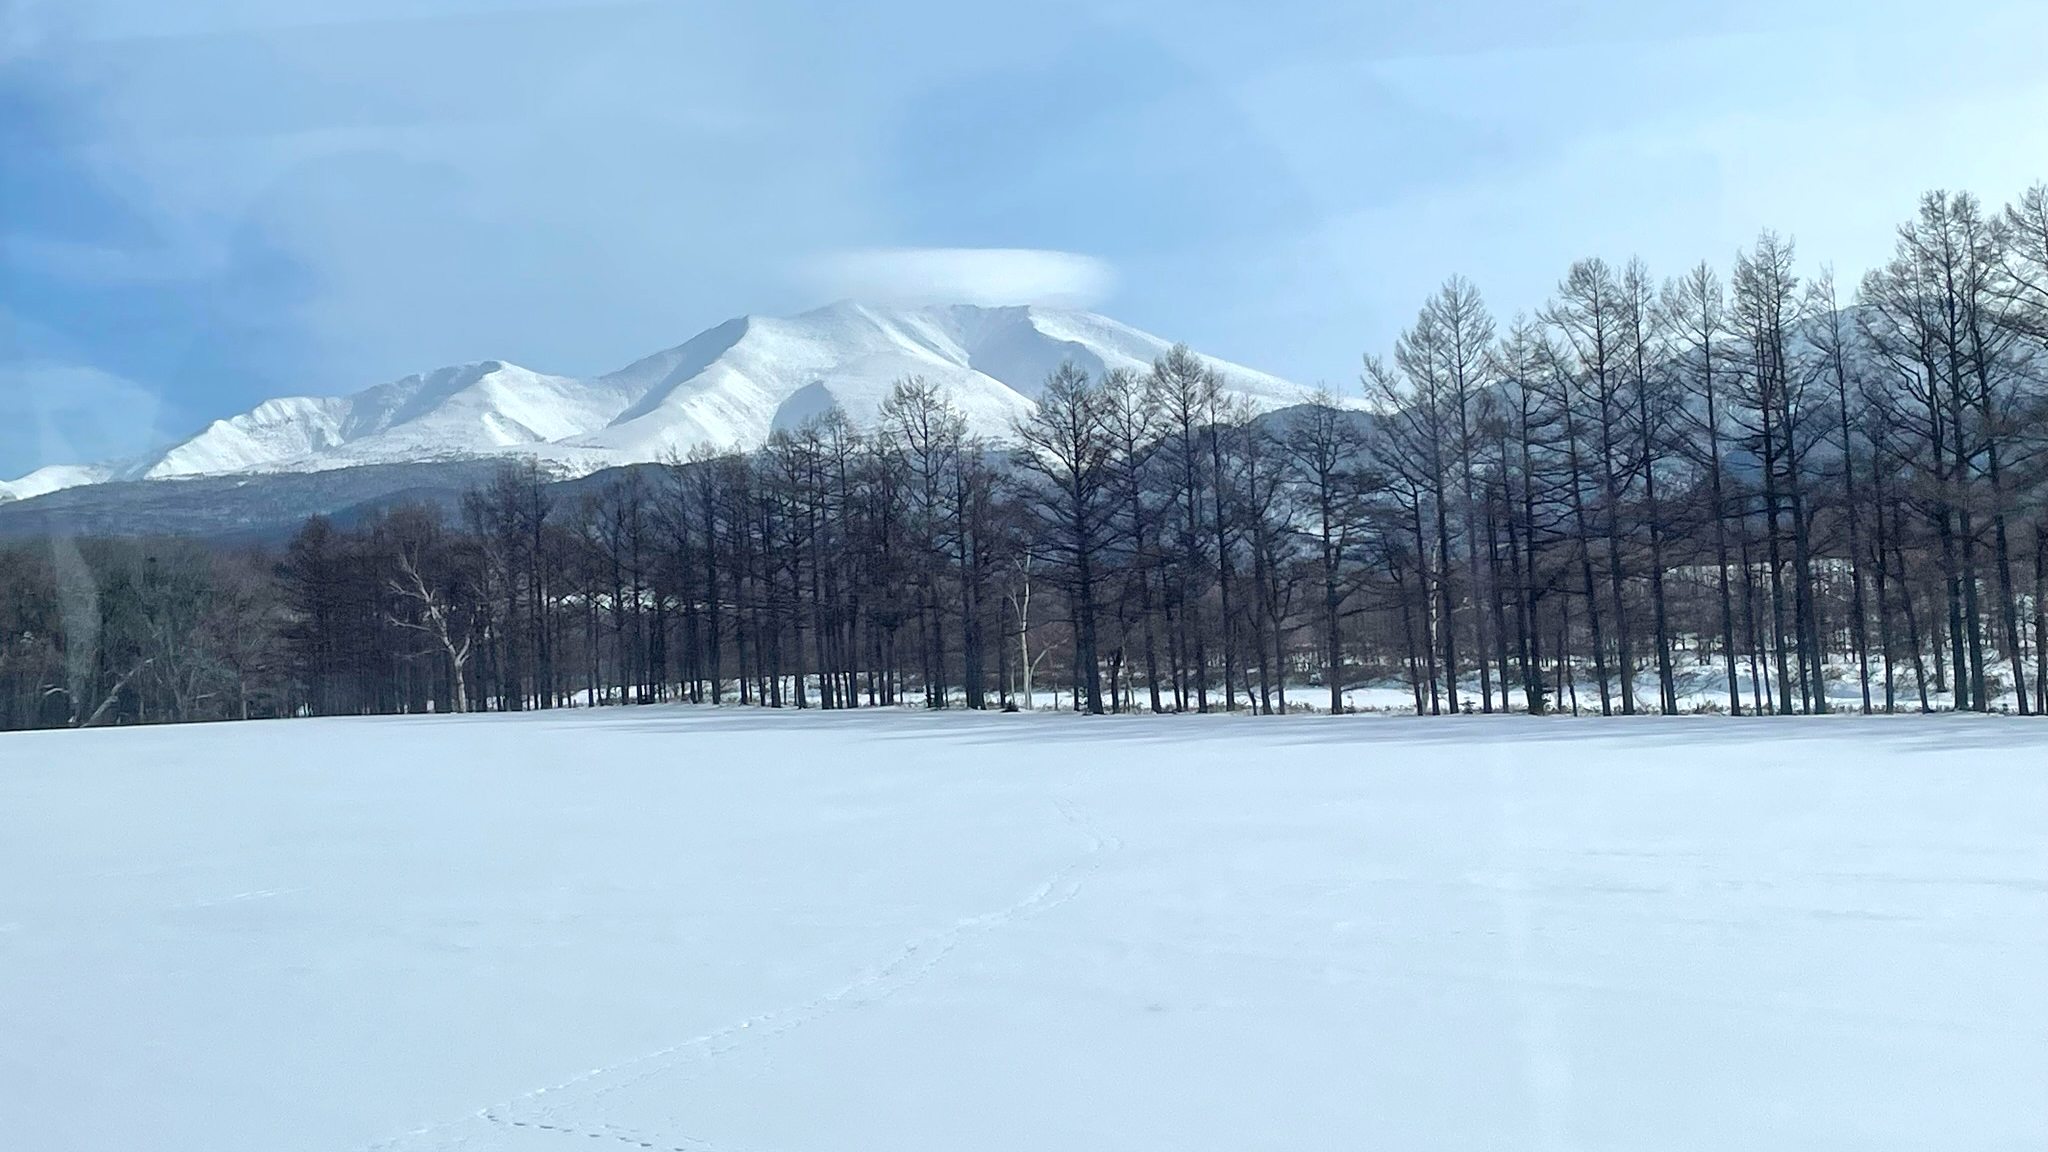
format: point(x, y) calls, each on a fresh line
point(736, 931)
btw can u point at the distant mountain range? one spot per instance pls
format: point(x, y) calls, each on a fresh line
point(727, 388)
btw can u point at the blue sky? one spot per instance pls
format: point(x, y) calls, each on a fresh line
point(206, 204)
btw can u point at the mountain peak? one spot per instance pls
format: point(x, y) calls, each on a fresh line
point(729, 387)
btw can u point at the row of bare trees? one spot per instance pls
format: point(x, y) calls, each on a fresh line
point(1751, 492)
point(1814, 498)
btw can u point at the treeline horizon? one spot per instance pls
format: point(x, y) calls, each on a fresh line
point(1753, 492)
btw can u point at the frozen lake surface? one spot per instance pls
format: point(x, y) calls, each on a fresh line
point(737, 931)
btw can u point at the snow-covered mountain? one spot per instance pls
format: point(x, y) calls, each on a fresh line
point(729, 387)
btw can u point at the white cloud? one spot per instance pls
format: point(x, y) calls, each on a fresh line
point(60, 413)
point(962, 276)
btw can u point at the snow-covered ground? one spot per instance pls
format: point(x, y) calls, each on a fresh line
point(1702, 686)
point(737, 931)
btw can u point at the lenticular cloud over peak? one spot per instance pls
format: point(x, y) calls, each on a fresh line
point(986, 276)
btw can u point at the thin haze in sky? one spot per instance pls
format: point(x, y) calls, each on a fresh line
point(207, 204)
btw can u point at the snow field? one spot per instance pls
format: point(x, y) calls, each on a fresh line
point(737, 931)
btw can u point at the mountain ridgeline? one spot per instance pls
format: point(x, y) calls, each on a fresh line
point(727, 389)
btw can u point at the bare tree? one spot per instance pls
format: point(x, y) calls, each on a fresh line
point(1067, 447)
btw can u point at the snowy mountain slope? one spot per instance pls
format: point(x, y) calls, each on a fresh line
point(778, 373)
point(729, 387)
point(56, 478)
point(466, 410)
point(272, 431)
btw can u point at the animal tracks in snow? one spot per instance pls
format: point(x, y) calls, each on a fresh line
point(234, 898)
point(561, 1109)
